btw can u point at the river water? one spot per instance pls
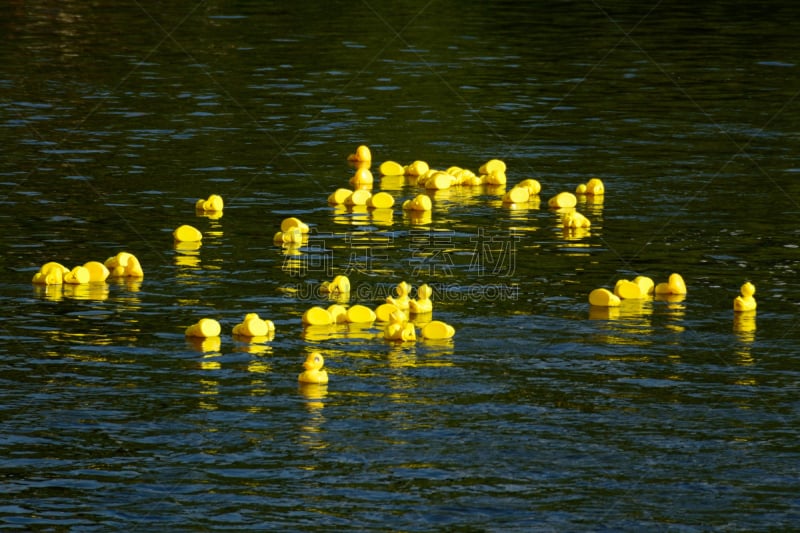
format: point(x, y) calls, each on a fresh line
point(541, 413)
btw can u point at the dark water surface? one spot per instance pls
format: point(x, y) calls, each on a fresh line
point(540, 414)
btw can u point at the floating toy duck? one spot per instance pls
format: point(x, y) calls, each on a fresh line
point(77, 276)
point(423, 303)
point(439, 181)
point(51, 273)
point(593, 187)
point(645, 284)
point(517, 195)
point(293, 231)
point(290, 236)
point(675, 285)
point(401, 301)
point(573, 220)
point(98, 272)
point(628, 290)
point(421, 202)
point(340, 285)
point(213, 203)
point(746, 301)
point(124, 264)
point(187, 233)
point(204, 328)
point(437, 330)
point(362, 154)
point(254, 326)
point(399, 328)
point(317, 316)
point(360, 314)
point(563, 199)
point(604, 298)
point(391, 168)
point(381, 200)
point(339, 196)
point(384, 311)
point(313, 370)
point(417, 168)
point(492, 165)
point(533, 186)
point(338, 313)
point(358, 197)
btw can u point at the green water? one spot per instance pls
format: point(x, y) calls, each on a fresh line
point(540, 413)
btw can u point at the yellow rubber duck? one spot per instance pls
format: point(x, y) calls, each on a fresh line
point(204, 328)
point(340, 285)
point(399, 328)
point(187, 233)
point(317, 316)
point(628, 290)
point(213, 203)
point(77, 276)
point(421, 202)
point(124, 264)
point(338, 313)
point(384, 311)
point(437, 330)
point(254, 326)
point(745, 301)
point(391, 168)
point(51, 273)
point(593, 187)
point(574, 219)
point(416, 168)
point(360, 314)
point(563, 199)
point(675, 285)
point(339, 196)
point(402, 299)
point(313, 370)
point(362, 154)
point(381, 200)
point(604, 298)
point(422, 304)
point(97, 271)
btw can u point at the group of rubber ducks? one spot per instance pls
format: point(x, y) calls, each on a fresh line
point(491, 173)
point(123, 264)
point(394, 312)
point(675, 287)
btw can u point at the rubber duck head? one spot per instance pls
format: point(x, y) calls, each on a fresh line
point(313, 370)
point(362, 154)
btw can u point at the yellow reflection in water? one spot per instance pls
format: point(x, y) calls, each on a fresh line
point(382, 216)
point(417, 218)
point(311, 433)
point(87, 291)
point(744, 325)
point(392, 183)
point(208, 345)
point(319, 333)
point(53, 293)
